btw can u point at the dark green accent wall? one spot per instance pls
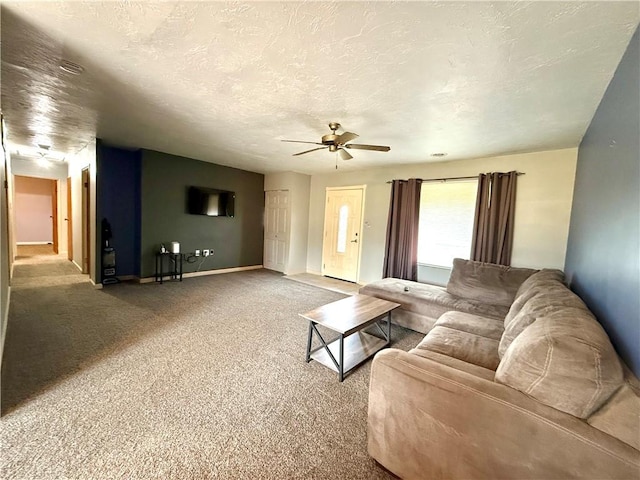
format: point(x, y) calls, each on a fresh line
point(603, 251)
point(237, 241)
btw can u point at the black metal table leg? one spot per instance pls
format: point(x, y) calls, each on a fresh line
point(309, 338)
point(341, 363)
point(161, 268)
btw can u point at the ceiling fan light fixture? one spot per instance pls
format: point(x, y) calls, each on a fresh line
point(344, 154)
point(337, 143)
point(70, 67)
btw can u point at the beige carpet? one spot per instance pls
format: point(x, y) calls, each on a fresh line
point(29, 268)
point(194, 380)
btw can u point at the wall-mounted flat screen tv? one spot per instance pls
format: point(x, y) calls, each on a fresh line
point(211, 202)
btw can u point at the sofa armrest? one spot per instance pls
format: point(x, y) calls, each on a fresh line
point(428, 420)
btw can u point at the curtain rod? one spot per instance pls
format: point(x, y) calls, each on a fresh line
point(451, 178)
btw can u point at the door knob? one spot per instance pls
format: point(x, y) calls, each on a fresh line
point(354, 241)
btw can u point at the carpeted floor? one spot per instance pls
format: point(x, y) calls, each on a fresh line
point(194, 380)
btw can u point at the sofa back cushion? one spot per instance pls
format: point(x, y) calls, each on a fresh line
point(564, 360)
point(531, 286)
point(535, 302)
point(486, 282)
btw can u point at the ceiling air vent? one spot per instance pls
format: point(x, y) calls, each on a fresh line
point(70, 67)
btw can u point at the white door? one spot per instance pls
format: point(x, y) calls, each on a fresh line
point(276, 230)
point(342, 233)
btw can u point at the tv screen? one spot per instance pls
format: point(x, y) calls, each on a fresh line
point(211, 202)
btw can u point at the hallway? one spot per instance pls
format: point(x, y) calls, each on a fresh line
point(38, 266)
point(47, 305)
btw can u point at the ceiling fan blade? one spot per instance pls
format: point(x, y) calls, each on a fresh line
point(378, 148)
point(300, 141)
point(344, 154)
point(345, 137)
point(307, 151)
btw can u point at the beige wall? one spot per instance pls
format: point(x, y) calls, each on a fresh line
point(543, 205)
point(33, 210)
point(298, 186)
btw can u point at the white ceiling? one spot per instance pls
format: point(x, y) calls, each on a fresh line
point(225, 82)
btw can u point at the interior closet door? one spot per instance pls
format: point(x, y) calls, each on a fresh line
point(276, 231)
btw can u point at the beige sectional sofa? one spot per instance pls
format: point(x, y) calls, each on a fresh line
point(538, 392)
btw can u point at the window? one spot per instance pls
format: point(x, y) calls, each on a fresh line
point(446, 221)
point(342, 229)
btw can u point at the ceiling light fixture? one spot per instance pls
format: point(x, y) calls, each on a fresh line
point(439, 154)
point(38, 153)
point(70, 67)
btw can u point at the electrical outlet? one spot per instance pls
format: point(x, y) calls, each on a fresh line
point(197, 253)
point(211, 251)
point(205, 253)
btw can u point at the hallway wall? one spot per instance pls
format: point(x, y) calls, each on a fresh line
point(33, 210)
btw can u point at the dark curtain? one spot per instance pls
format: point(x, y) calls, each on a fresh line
point(401, 253)
point(493, 223)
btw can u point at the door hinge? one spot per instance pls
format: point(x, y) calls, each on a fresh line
point(6, 184)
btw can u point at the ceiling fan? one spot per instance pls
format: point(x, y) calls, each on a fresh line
point(338, 142)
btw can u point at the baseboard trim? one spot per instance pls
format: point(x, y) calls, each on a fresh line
point(126, 278)
point(209, 272)
point(77, 266)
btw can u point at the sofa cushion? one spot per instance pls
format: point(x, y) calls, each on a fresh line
point(467, 367)
point(486, 282)
point(467, 322)
point(428, 300)
point(564, 360)
point(544, 300)
point(465, 346)
point(531, 286)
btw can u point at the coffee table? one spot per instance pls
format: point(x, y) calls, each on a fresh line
point(349, 317)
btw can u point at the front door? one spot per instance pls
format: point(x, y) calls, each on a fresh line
point(342, 233)
point(276, 231)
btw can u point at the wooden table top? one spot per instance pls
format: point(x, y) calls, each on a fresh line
point(349, 314)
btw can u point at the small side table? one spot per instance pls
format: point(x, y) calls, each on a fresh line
point(174, 266)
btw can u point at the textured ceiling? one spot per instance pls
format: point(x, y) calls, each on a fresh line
point(225, 82)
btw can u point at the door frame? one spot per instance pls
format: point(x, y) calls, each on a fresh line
point(86, 221)
point(69, 222)
point(324, 227)
point(54, 215)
